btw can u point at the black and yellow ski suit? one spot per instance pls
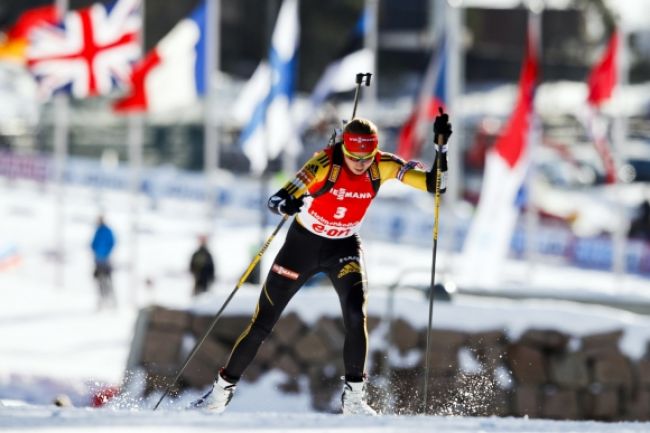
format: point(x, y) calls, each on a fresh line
point(306, 253)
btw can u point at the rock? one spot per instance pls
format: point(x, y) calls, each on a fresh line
point(312, 348)
point(560, 404)
point(643, 372)
point(288, 329)
point(527, 401)
point(198, 375)
point(569, 370)
point(267, 353)
point(403, 336)
point(170, 320)
point(638, 408)
point(611, 368)
point(161, 351)
point(287, 364)
point(228, 329)
point(527, 364)
point(331, 331)
point(606, 341)
point(602, 404)
point(545, 339)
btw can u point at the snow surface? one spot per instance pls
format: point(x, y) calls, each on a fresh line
point(54, 341)
point(33, 419)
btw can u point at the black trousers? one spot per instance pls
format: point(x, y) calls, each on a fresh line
point(303, 255)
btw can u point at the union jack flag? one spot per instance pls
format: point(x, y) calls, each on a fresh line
point(89, 53)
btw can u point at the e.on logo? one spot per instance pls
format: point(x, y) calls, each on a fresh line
point(331, 232)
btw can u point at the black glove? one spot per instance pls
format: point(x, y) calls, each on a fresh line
point(441, 128)
point(291, 205)
point(441, 133)
point(283, 203)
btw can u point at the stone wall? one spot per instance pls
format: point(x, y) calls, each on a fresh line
point(543, 374)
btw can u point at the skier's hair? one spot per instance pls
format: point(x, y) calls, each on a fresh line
point(360, 126)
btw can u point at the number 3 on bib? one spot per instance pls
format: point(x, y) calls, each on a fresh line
point(340, 212)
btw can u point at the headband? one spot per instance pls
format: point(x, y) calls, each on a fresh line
point(360, 143)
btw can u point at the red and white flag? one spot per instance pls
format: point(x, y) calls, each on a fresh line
point(490, 233)
point(603, 76)
point(172, 75)
point(602, 81)
point(89, 53)
point(433, 95)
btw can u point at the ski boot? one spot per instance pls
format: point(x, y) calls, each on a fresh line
point(217, 398)
point(354, 399)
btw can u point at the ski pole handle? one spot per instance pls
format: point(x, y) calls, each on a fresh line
point(360, 79)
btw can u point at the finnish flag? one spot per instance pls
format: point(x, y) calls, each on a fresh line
point(265, 102)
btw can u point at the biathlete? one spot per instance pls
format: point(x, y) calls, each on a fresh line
point(329, 196)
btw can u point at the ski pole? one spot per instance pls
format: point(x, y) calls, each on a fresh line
point(241, 281)
point(360, 79)
point(433, 270)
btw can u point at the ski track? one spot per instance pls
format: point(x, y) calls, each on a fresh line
point(37, 418)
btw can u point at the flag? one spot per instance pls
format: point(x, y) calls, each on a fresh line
point(89, 53)
point(601, 82)
point(488, 239)
point(14, 45)
point(603, 77)
point(171, 75)
point(339, 74)
point(433, 94)
point(265, 101)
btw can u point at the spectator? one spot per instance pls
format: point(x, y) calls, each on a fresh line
point(640, 225)
point(202, 267)
point(102, 246)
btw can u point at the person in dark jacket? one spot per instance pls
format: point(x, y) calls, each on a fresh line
point(202, 267)
point(640, 225)
point(102, 246)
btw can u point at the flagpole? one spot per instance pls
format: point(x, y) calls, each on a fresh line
point(619, 135)
point(535, 9)
point(61, 128)
point(372, 43)
point(272, 14)
point(455, 73)
point(135, 142)
point(210, 122)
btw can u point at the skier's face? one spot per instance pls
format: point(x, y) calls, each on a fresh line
point(358, 163)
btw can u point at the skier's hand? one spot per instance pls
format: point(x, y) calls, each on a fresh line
point(441, 129)
point(442, 132)
point(291, 205)
point(283, 203)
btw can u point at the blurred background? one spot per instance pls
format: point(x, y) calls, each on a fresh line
point(217, 103)
point(174, 122)
point(150, 122)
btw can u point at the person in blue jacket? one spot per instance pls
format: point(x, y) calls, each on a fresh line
point(102, 245)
